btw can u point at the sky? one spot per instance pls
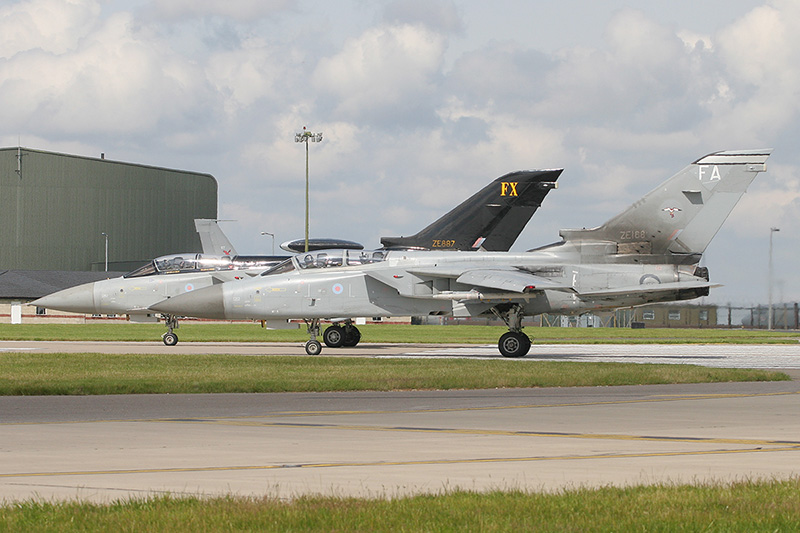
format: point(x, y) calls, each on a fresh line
point(421, 103)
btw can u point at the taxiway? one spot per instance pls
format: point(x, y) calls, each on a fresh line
point(103, 448)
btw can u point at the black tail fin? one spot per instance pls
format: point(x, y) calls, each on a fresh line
point(491, 219)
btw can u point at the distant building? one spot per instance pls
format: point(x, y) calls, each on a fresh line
point(676, 316)
point(663, 315)
point(54, 208)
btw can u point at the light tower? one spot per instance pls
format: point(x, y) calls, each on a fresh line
point(273, 239)
point(769, 312)
point(104, 234)
point(303, 137)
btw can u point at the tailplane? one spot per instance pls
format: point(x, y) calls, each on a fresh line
point(682, 215)
point(491, 219)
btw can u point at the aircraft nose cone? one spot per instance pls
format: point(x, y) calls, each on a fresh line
point(78, 299)
point(202, 303)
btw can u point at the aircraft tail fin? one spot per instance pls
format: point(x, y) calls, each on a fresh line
point(490, 219)
point(212, 239)
point(682, 215)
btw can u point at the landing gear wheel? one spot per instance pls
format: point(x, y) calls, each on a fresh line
point(351, 336)
point(170, 339)
point(334, 336)
point(514, 344)
point(313, 347)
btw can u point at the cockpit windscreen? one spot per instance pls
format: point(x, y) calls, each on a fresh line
point(187, 263)
point(327, 259)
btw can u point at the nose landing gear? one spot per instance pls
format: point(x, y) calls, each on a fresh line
point(313, 346)
point(170, 338)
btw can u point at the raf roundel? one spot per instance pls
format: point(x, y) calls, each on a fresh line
point(189, 287)
point(338, 289)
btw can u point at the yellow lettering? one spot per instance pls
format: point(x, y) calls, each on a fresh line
point(508, 188)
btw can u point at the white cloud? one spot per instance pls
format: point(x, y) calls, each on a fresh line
point(645, 79)
point(386, 69)
point(439, 15)
point(242, 10)
point(117, 79)
point(758, 46)
point(692, 39)
point(253, 72)
point(772, 200)
point(510, 77)
point(761, 54)
point(54, 26)
point(637, 40)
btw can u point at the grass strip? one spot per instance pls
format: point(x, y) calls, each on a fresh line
point(390, 333)
point(744, 506)
point(92, 373)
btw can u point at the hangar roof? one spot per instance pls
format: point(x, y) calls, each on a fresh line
point(31, 284)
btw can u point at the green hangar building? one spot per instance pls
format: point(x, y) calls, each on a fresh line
point(58, 212)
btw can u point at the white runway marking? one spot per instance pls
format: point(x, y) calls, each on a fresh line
point(711, 355)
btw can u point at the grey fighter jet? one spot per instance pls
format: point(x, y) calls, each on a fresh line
point(493, 218)
point(648, 253)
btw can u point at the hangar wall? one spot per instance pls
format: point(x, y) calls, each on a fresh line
point(54, 207)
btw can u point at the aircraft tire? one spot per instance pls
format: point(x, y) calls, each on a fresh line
point(351, 336)
point(514, 344)
point(313, 348)
point(170, 339)
point(334, 336)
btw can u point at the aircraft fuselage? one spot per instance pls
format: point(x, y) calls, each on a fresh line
point(422, 283)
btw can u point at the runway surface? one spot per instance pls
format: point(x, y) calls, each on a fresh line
point(105, 448)
point(783, 356)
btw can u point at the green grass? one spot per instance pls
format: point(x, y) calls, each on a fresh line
point(77, 374)
point(27, 373)
point(746, 506)
point(387, 333)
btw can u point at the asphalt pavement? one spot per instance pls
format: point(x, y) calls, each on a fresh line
point(105, 448)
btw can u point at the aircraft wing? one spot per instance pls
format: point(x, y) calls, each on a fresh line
point(649, 288)
point(509, 280)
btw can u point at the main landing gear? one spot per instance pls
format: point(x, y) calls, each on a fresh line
point(335, 336)
point(514, 343)
point(170, 338)
point(346, 334)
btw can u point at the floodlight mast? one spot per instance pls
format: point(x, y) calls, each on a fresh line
point(273, 239)
point(303, 137)
point(104, 234)
point(770, 315)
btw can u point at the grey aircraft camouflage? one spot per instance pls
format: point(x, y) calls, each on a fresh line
point(648, 253)
point(490, 219)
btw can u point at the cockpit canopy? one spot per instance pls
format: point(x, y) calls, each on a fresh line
point(327, 259)
point(185, 263)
